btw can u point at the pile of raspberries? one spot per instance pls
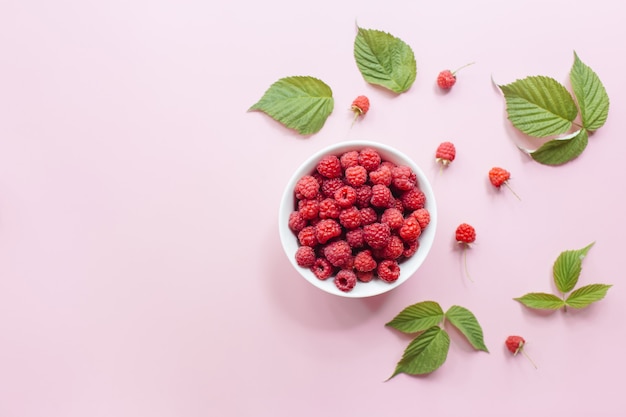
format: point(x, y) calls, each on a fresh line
point(357, 217)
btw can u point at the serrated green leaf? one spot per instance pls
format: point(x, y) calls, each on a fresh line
point(466, 322)
point(560, 151)
point(591, 95)
point(417, 317)
point(384, 60)
point(541, 301)
point(567, 268)
point(425, 354)
point(586, 295)
point(539, 106)
point(300, 103)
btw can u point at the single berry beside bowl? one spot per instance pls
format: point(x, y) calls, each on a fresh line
point(499, 177)
point(360, 107)
point(465, 235)
point(515, 345)
point(446, 152)
point(446, 78)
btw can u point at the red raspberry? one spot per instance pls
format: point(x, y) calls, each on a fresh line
point(349, 264)
point(307, 187)
point(446, 78)
point(393, 217)
point(307, 236)
point(410, 248)
point(365, 276)
point(515, 345)
point(296, 222)
point(381, 176)
point(329, 166)
point(345, 280)
point(388, 270)
point(329, 209)
point(309, 209)
point(349, 159)
point(356, 176)
point(465, 234)
point(355, 238)
point(423, 217)
point(500, 176)
point(337, 252)
point(345, 196)
point(350, 218)
point(369, 159)
point(380, 196)
point(410, 230)
point(446, 152)
point(327, 229)
point(363, 196)
point(413, 199)
point(368, 216)
point(322, 268)
point(394, 249)
point(377, 235)
point(305, 256)
point(329, 186)
point(402, 178)
point(364, 262)
point(360, 105)
point(397, 204)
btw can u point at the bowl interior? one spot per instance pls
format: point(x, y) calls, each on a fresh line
point(407, 267)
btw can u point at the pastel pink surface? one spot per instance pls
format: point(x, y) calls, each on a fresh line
point(141, 271)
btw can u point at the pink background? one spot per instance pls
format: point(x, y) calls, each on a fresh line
point(141, 272)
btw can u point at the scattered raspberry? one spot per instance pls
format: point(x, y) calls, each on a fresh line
point(307, 236)
point(322, 268)
point(330, 186)
point(329, 166)
point(337, 252)
point(350, 218)
point(446, 152)
point(402, 178)
point(369, 159)
point(446, 78)
point(345, 196)
point(355, 238)
point(410, 248)
point(377, 235)
point(423, 217)
point(413, 199)
point(349, 159)
point(515, 344)
point(364, 262)
point(410, 229)
point(388, 270)
point(394, 249)
point(393, 217)
point(309, 209)
point(307, 187)
point(500, 176)
point(381, 176)
point(345, 280)
point(465, 234)
point(360, 105)
point(305, 256)
point(296, 222)
point(327, 229)
point(365, 276)
point(355, 176)
point(368, 216)
point(329, 209)
point(363, 196)
point(380, 196)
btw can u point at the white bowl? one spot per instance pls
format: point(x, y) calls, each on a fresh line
point(408, 267)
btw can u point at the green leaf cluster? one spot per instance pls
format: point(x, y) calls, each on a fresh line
point(429, 349)
point(541, 107)
point(566, 271)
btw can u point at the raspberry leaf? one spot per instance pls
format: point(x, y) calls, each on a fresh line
point(562, 150)
point(586, 295)
point(466, 322)
point(302, 103)
point(539, 106)
point(541, 301)
point(425, 354)
point(591, 95)
point(417, 317)
point(567, 268)
point(384, 60)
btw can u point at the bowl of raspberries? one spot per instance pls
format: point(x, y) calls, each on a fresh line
point(357, 219)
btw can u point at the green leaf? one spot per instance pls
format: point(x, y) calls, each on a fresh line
point(560, 151)
point(539, 106)
point(384, 60)
point(591, 95)
point(586, 295)
point(300, 103)
point(425, 354)
point(417, 317)
point(541, 301)
point(466, 322)
point(567, 268)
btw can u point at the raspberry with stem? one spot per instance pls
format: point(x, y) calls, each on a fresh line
point(465, 235)
point(360, 106)
point(515, 345)
point(446, 78)
point(499, 177)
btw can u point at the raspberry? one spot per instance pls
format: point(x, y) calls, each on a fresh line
point(410, 248)
point(377, 235)
point(398, 205)
point(515, 345)
point(413, 199)
point(329, 166)
point(329, 186)
point(365, 276)
point(327, 229)
point(394, 249)
point(380, 196)
point(307, 236)
point(500, 176)
point(350, 218)
point(296, 222)
point(381, 176)
point(368, 216)
point(369, 159)
point(349, 159)
point(356, 176)
point(322, 268)
point(393, 217)
point(307, 187)
point(388, 270)
point(363, 196)
point(364, 262)
point(402, 178)
point(329, 209)
point(355, 238)
point(305, 256)
point(337, 252)
point(410, 229)
point(345, 196)
point(349, 263)
point(345, 280)
point(446, 78)
point(360, 105)
point(308, 209)
point(446, 152)
point(423, 217)
point(465, 234)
